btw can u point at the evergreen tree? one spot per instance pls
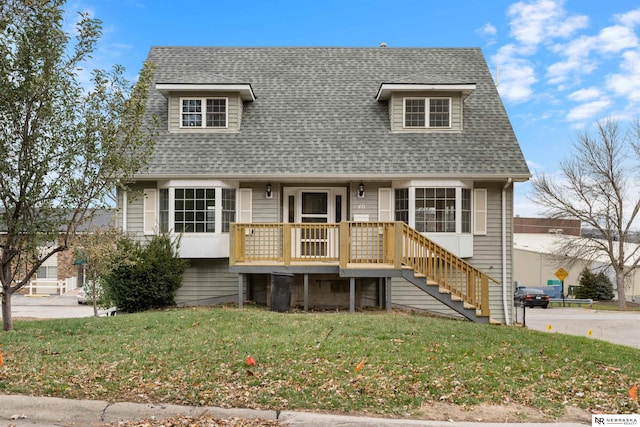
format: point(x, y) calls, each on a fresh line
point(597, 287)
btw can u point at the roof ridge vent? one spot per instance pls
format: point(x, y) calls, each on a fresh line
point(383, 44)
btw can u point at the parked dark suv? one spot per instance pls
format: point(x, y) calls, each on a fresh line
point(531, 297)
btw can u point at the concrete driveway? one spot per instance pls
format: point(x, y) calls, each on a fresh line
point(49, 307)
point(620, 327)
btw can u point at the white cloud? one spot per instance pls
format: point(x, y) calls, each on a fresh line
point(534, 22)
point(585, 94)
point(577, 52)
point(627, 83)
point(560, 71)
point(516, 75)
point(538, 21)
point(588, 110)
point(616, 39)
point(487, 30)
point(629, 19)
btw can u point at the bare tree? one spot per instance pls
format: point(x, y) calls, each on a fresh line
point(594, 186)
point(62, 148)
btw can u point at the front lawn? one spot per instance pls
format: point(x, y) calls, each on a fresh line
point(379, 363)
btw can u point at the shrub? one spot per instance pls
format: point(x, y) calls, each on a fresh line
point(598, 287)
point(145, 276)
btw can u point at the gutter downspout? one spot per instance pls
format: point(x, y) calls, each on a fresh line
point(507, 318)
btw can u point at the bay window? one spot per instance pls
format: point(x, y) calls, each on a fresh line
point(434, 209)
point(197, 210)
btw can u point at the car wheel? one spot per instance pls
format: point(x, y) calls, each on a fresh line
point(545, 306)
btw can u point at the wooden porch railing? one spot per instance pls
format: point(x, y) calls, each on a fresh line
point(371, 244)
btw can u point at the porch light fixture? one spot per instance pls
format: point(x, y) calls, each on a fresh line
point(269, 194)
point(361, 191)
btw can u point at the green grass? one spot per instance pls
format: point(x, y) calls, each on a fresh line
point(307, 361)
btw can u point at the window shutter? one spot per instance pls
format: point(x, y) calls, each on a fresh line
point(480, 211)
point(244, 205)
point(150, 215)
point(385, 204)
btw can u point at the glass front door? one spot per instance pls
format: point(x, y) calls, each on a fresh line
point(314, 206)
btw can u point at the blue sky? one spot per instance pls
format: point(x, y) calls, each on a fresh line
point(562, 64)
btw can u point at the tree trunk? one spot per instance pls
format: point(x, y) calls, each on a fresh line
point(622, 298)
point(7, 321)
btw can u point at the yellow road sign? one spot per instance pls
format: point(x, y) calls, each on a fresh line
point(561, 274)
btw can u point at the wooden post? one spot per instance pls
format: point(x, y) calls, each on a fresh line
point(485, 296)
point(352, 294)
point(397, 256)
point(306, 292)
point(387, 289)
point(240, 290)
point(232, 243)
point(344, 244)
point(286, 244)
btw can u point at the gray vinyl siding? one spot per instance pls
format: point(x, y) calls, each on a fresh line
point(263, 209)
point(396, 111)
point(135, 207)
point(408, 295)
point(487, 249)
point(368, 205)
point(234, 111)
point(208, 281)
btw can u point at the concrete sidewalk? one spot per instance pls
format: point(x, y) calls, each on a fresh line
point(22, 411)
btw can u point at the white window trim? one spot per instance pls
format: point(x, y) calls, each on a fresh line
point(479, 215)
point(150, 211)
point(427, 101)
point(203, 100)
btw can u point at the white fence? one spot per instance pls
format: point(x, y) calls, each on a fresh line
point(51, 286)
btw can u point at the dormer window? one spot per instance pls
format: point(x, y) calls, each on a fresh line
point(204, 112)
point(425, 107)
point(427, 112)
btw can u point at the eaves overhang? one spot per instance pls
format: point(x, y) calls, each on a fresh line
point(323, 177)
point(386, 89)
point(244, 89)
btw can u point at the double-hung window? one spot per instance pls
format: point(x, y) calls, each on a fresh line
point(203, 113)
point(427, 113)
point(198, 210)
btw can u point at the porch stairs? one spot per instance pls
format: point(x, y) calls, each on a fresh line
point(444, 296)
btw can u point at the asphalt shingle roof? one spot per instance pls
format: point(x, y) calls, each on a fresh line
point(316, 114)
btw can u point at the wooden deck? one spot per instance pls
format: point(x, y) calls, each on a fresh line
point(357, 249)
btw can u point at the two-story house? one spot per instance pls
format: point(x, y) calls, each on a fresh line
point(374, 176)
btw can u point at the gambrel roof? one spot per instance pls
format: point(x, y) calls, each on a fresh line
point(316, 114)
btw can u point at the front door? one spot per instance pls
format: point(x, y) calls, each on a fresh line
point(315, 206)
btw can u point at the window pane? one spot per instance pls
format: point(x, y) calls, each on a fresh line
point(314, 203)
point(435, 210)
point(402, 205)
point(216, 112)
point(192, 212)
point(414, 113)
point(164, 210)
point(228, 208)
point(466, 210)
point(439, 113)
point(191, 113)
